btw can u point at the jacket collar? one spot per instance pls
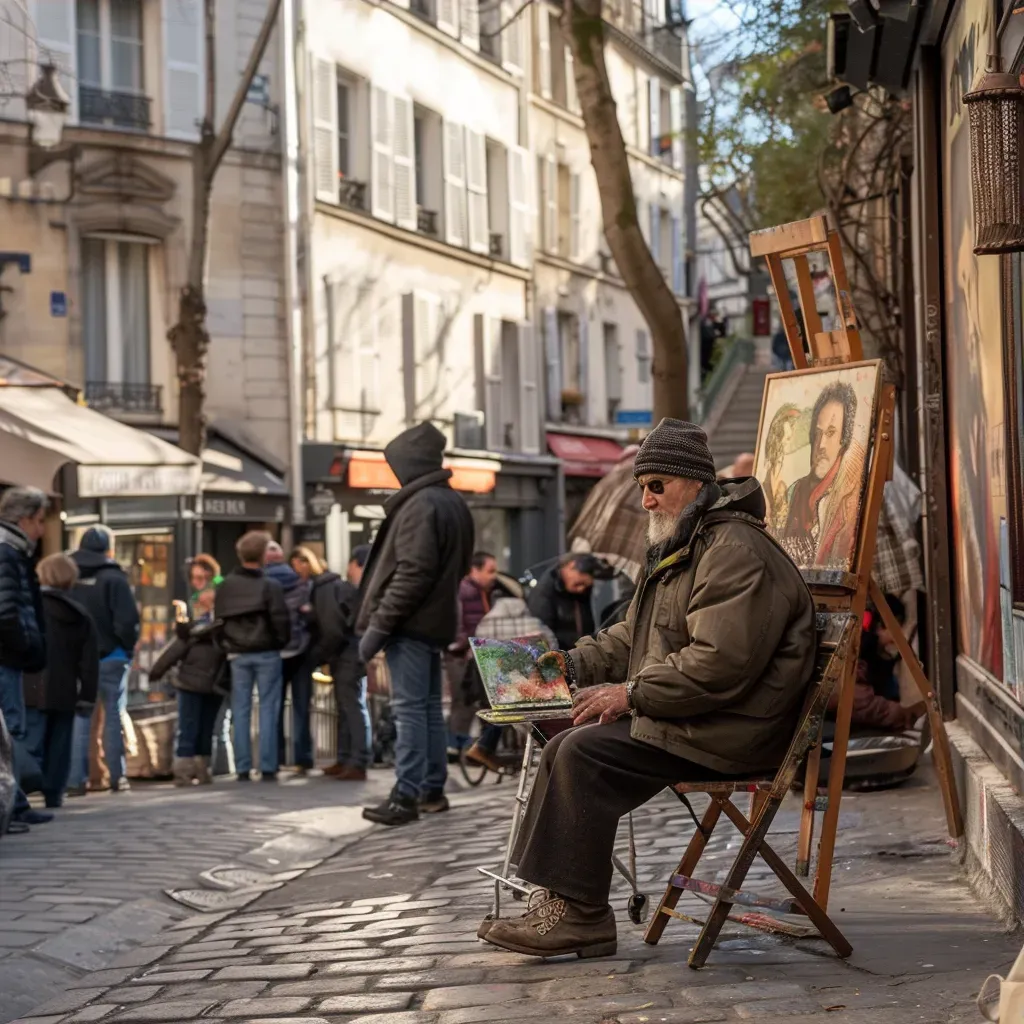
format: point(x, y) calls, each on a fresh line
point(10, 534)
point(438, 477)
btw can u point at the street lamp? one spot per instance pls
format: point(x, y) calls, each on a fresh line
point(47, 104)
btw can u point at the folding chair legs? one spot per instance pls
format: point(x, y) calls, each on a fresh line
point(686, 866)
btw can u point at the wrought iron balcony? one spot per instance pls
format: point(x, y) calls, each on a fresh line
point(426, 221)
point(118, 397)
point(496, 245)
point(120, 109)
point(352, 193)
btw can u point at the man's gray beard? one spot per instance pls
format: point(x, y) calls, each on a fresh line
point(660, 527)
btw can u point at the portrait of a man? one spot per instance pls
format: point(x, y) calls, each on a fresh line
point(813, 460)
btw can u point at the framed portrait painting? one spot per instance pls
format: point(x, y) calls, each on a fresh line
point(813, 451)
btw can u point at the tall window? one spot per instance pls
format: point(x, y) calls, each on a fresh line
point(612, 369)
point(115, 314)
point(344, 128)
point(110, 76)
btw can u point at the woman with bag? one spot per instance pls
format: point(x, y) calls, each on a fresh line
point(69, 681)
point(201, 682)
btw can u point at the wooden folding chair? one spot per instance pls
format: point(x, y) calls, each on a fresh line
point(836, 633)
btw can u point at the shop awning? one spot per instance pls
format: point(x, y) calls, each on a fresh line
point(41, 430)
point(585, 456)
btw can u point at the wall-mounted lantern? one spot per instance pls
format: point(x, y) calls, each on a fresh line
point(47, 104)
point(996, 109)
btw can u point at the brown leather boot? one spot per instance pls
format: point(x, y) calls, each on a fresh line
point(335, 770)
point(556, 926)
point(351, 774)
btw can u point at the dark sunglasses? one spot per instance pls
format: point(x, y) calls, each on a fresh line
point(654, 486)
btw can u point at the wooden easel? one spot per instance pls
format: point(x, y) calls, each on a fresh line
point(851, 591)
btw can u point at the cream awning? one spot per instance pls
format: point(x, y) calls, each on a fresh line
point(41, 429)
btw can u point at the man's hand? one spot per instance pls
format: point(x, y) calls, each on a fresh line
point(605, 703)
point(370, 643)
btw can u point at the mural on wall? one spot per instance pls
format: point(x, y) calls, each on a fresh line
point(812, 459)
point(973, 353)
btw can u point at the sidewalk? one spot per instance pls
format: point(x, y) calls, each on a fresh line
point(384, 933)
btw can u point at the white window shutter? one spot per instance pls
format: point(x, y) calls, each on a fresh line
point(572, 100)
point(575, 225)
point(454, 184)
point(382, 184)
point(57, 43)
point(476, 191)
point(553, 358)
point(366, 367)
point(419, 332)
point(543, 50)
point(654, 105)
point(325, 130)
point(677, 255)
point(520, 213)
point(470, 23)
point(529, 397)
point(678, 148)
point(448, 16)
point(402, 153)
point(550, 204)
point(512, 36)
point(584, 359)
point(487, 337)
point(643, 367)
point(184, 75)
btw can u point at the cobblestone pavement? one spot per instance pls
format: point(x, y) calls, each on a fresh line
point(383, 932)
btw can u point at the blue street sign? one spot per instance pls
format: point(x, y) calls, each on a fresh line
point(634, 418)
point(58, 304)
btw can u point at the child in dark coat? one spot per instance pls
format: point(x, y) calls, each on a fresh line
point(68, 683)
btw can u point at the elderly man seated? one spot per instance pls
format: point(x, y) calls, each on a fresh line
point(704, 680)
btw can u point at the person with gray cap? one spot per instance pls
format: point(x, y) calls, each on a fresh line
point(104, 592)
point(702, 681)
point(409, 609)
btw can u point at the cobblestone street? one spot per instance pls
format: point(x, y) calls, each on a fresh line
point(384, 931)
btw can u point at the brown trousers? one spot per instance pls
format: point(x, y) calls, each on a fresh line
point(589, 777)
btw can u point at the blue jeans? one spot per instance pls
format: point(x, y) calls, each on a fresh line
point(48, 738)
point(114, 694)
point(421, 750)
point(298, 675)
point(197, 715)
point(12, 704)
point(79, 773)
point(262, 670)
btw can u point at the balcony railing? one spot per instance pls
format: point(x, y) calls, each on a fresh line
point(496, 245)
point(352, 193)
point(426, 221)
point(118, 397)
point(120, 109)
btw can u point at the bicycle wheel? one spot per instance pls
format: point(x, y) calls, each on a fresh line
point(472, 772)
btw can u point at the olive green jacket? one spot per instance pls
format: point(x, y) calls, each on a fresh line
point(720, 639)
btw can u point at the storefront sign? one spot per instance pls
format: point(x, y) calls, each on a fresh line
point(761, 315)
point(247, 507)
point(136, 481)
point(321, 503)
point(370, 471)
point(634, 417)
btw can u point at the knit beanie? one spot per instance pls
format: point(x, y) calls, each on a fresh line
point(97, 539)
point(676, 448)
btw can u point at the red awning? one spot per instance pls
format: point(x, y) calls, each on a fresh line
point(585, 456)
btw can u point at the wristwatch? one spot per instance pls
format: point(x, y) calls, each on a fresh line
point(630, 687)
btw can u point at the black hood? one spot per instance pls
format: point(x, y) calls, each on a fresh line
point(742, 494)
point(60, 606)
point(416, 452)
point(324, 578)
point(91, 562)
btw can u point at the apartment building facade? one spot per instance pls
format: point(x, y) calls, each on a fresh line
point(457, 269)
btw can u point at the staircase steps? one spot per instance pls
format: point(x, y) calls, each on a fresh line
point(736, 429)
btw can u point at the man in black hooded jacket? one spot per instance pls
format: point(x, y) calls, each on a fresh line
point(104, 592)
point(409, 609)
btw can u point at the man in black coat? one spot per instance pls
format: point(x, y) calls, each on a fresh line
point(561, 600)
point(22, 636)
point(410, 610)
point(104, 592)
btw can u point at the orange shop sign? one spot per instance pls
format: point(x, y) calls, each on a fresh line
point(370, 471)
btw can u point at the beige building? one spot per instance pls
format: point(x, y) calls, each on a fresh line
point(94, 234)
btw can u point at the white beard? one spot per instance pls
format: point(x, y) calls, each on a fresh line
point(660, 527)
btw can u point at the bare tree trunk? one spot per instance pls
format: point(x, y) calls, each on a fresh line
point(585, 30)
point(189, 337)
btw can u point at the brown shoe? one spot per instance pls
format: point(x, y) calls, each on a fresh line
point(478, 755)
point(556, 926)
point(335, 770)
point(351, 774)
